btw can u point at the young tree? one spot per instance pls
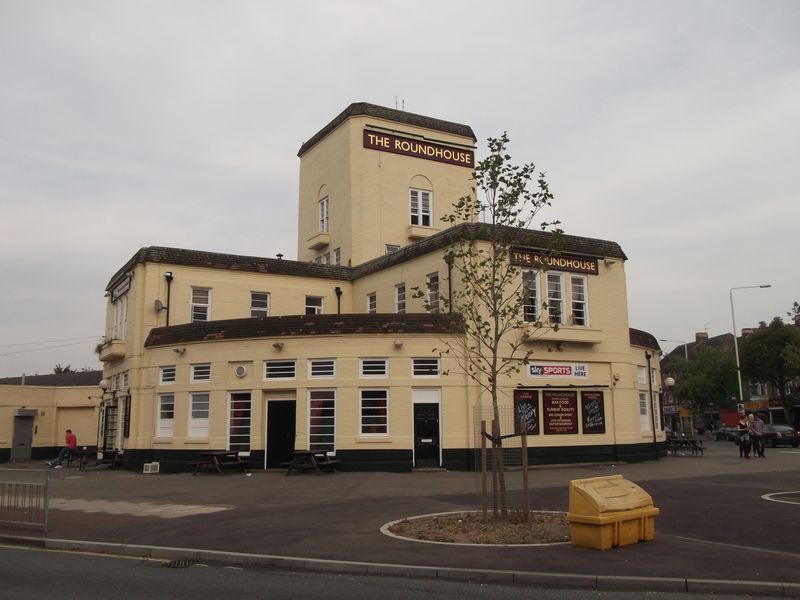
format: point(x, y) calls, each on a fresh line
point(487, 289)
point(772, 355)
point(708, 381)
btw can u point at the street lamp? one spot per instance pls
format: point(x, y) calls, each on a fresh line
point(735, 343)
point(685, 350)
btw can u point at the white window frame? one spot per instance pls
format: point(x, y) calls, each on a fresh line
point(400, 298)
point(420, 207)
point(318, 310)
point(372, 303)
point(249, 424)
point(198, 425)
point(118, 326)
point(367, 368)
point(197, 373)
point(337, 256)
point(581, 305)
point(641, 375)
point(324, 218)
point(165, 425)
point(200, 306)
point(325, 368)
point(555, 297)
point(420, 362)
point(364, 413)
point(164, 377)
point(432, 283)
point(531, 309)
point(391, 248)
point(322, 442)
point(644, 412)
point(256, 309)
point(275, 363)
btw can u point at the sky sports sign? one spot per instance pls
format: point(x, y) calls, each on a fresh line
point(571, 370)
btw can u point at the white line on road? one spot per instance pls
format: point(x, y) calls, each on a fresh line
point(772, 498)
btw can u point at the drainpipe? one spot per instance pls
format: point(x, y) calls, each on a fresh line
point(450, 286)
point(338, 291)
point(649, 355)
point(168, 277)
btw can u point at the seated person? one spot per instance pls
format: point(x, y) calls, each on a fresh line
point(67, 451)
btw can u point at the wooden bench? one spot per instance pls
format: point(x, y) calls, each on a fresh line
point(219, 460)
point(306, 461)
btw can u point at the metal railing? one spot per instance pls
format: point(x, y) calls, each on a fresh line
point(24, 497)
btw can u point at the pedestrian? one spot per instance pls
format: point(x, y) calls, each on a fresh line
point(743, 429)
point(757, 435)
point(71, 444)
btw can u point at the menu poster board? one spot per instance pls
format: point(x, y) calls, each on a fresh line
point(560, 411)
point(593, 411)
point(526, 406)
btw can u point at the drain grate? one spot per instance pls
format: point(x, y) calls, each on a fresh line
point(181, 563)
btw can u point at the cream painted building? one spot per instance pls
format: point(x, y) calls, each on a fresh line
point(210, 351)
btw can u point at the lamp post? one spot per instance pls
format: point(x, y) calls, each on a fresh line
point(735, 343)
point(685, 349)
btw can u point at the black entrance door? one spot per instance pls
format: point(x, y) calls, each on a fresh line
point(426, 435)
point(280, 431)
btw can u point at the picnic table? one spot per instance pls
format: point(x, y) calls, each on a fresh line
point(96, 458)
point(219, 459)
point(305, 460)
point(676, 444)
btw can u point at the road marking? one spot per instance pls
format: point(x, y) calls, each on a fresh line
point(772, 498)
point(137, 509)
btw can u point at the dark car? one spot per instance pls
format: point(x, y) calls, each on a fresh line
point(727, 434)
point(780, 435)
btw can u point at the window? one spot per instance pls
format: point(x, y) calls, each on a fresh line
point(432, 281)
point(420, 201)
point(374, 412)
point(643, 414)
point(555, 297)
point(313, 305)
point(578, 291)
point(374, 367)
point(372, 303)
point(201, 304)
point(530, 295)
point(239, 428)
point(125, 380)
point(317, 260)
point(641, 375)
point(425, 367)
point(337, 256)
point(322, 368)
point(323, 214)
point(167, 375)
point(120, 317)
point(279, 369)
point(400, 298)
point(201, 372)
point(259, 304)
point(198, 414)
point(392, 248)
point(326, 258)
point(166, 415)
point(321, 420)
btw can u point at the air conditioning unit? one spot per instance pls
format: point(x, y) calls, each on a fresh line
point(151, 467)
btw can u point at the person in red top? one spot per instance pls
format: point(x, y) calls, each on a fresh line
point(71, 445)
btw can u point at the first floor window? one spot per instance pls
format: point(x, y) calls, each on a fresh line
point(579, 314)
point(555, 297)
point(372, 303)
point(322, 420)
point(239, 429)
point(432, 281)
point(530, 295)
point(198, 414)
point(644, 415)
point(201, 372)
point(641, 374)
point(374, 412)
point(259, 304)
point(322, 368)
point(313, 305)
point(374, 367)
point(201, 304)
point(323, 214)
point(421, 203)
point(279, 369)
point(425, 367)
point(337, 256)
point(166, 415)
point(400, 298)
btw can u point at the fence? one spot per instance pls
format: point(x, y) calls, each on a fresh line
point(24, 497)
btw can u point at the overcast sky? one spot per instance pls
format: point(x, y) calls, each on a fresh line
point(672, 128)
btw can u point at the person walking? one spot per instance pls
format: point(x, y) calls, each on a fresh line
point(743, 429)
point(71, 444)
point(757, 435)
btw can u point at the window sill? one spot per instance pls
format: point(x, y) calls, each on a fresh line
point(319, 241)
point(418, 232)
point(195, 441)
point(363, 439)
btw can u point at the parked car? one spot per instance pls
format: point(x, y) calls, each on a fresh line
point(780, 435)
point(727, 434)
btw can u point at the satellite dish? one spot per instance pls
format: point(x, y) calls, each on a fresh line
point(158, 305)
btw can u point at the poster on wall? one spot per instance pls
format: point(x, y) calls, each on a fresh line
point(593, 412)
point(526, 406)
point(560, 411)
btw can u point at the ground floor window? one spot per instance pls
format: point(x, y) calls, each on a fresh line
point(166, 415)
point(240, 417)
point(321, 421)
point(644, 415)
point(198, 415)
point(374, 412)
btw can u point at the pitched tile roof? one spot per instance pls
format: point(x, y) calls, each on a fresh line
point(371, 110)
point(304, 325)
point(643, 339)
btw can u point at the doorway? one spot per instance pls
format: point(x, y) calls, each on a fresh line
point(426, 433)
point(281, 422)
point(23, 438)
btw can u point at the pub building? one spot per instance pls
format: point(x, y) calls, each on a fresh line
point(333, 353)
